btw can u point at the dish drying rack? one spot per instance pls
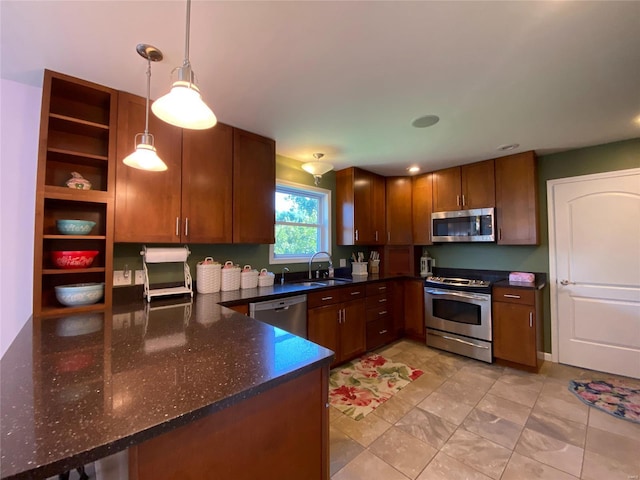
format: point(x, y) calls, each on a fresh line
point(166, 255)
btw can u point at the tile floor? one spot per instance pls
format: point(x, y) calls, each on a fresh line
point(465, 419)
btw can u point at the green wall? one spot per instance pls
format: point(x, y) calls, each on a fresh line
point(601, 158)
point(255, 255)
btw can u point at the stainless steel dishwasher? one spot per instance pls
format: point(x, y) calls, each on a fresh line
point(288, 313)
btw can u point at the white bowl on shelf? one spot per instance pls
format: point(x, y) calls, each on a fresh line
point(79, 294)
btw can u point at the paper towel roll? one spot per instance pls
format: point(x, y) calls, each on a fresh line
point(165, 255)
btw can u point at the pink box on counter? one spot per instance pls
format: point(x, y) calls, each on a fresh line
point(522, 277)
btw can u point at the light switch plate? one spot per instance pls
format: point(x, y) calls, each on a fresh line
point(139, 277)
point(343, 262)
point(119, 279)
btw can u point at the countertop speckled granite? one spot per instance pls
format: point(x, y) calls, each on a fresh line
point(78, 388)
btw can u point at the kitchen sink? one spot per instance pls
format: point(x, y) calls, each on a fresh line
point(325, 282)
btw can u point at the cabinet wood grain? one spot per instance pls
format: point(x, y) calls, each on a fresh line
point(254, 185)
point(466, 187)
point(517, 216)
point(148, 204)
point(422, 200)
point(399, 211)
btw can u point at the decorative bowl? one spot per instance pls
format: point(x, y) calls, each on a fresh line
point(75, 227)
point(79, 294)
point(73, 258)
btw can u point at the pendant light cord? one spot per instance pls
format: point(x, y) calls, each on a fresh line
point(186, 62)
point(146, 121)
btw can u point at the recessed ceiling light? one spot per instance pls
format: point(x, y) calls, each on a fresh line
point(425, 121)
point(413, 169)
point(509, 146)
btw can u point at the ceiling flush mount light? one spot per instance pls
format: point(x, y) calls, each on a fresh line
point(425, 121)
point(317, 168)
point(145, 157)
point(183, 105)
point(414, 169)
point(507, 147)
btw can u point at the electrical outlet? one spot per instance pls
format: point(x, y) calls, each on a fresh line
point(119, 279)
point(343, 262)
point(139, 277)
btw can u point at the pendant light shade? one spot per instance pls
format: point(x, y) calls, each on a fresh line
point(317, 168)
point(145, 156)
point(183, 105)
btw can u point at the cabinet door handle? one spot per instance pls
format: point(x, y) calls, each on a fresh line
point(355, 293)
point(177, 226)
point(530, 319)
point(376, 235)
point(507, 295)
point(384, 312)
point(382, 332)
point(186, 227)
point(463, 200)
point(344, 315)
point(382, 288)
point(382, 300)
point(327, 298)
point(356, 234)
point(389, 237)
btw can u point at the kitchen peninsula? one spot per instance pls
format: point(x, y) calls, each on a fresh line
point(188, 388)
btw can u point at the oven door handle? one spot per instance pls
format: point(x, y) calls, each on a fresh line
point(482, 298)
point(458, 340)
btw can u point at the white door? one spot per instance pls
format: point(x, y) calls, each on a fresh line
point(594, 256)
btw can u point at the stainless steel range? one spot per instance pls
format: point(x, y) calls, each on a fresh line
point(458, 316)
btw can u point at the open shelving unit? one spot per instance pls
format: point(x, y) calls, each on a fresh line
point(77, 134)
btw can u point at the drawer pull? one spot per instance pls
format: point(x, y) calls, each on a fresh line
point(382, 332)
point(382, 288)
point(382, 300)
point(326, 298)
point(507, 295)
point(530, 319)
point(384, 312)
point(355, 293)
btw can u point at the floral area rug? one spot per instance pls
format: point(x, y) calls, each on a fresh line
point(359, 387)
point(614, 396)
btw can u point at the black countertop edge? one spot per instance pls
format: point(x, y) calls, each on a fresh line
point(102, 451)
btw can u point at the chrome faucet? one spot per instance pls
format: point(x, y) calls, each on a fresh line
point(314, 256)
point(284, 270)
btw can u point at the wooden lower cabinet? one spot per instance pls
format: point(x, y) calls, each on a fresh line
point(517, 330)
point(279, 434)
point(414, 309)
point(242, 308)
point(338, 323)
point(381, 328)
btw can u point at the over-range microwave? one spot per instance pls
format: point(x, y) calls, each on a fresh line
point(475, 225)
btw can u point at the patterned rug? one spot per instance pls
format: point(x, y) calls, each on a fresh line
point(614, 396)
point(359, 387)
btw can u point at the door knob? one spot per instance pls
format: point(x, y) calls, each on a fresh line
point(567, 282)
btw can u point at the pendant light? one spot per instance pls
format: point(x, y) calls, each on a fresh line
point(317, 168)
point(183, 105)
point(145, 157)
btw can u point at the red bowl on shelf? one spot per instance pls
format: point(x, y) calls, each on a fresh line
point(73, 259)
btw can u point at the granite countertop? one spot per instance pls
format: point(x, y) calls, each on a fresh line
point(78, 388)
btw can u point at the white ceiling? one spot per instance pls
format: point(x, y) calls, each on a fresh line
point(347, 78)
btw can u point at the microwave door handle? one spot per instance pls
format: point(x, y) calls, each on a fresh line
point(458, 294)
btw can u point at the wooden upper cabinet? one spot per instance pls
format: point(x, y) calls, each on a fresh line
point(254, 186)
point(517, 216)
point(466, 187)
point(207, 172)
point(398, 214)
point(147, 203)
point(446, 189)
point(422, 208)
point(360, 200)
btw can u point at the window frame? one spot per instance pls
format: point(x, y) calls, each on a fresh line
point(324, 213)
